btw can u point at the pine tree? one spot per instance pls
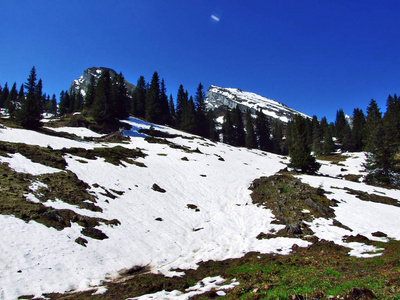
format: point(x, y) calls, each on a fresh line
point(79, 102)
point(328, 146)
point(181, 103)
point(391, 120)
point(4, 94)
point(164, 105)
point(373, 119)
point(29, 114)
point(53, 106)
point(340, 124)
point(358, 129)
point(212, 133)
point(188, 120)
point(153, 109)
point(120, 100)
point(238, 126)
point(172, 110)
point(277, 137)
point(263, 132)
point(90, 93)
point(201, 113)
point(11, 100)
point(251, 140)
point(227, 129)
point(301, 159)
point(138, 107)
point(102, 108)
point(317, 137)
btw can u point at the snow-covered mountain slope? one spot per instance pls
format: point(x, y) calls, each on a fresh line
point(205, 212)
point(217, 97)
point(82, 82)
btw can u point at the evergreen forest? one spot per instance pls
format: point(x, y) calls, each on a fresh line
point(106, 101)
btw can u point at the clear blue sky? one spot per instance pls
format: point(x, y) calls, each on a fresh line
point(315, 56)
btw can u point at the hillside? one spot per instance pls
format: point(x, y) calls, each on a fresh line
point(78, 211)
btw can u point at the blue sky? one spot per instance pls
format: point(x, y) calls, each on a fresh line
point(315, 56)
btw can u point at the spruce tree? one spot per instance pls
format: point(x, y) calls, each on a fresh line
point(301, 159)
point(251, 140)
point(201, 113)
point(53, 106)
point(373, 119)
point(29, 114)
point(188, 119)
point(328, 146)
point(11, 100)
point(164, 105)
point(317, 137)
point(340, 124)
point(238, 126)
point(4, 95)
point(102, 109)
point(391, 120)
point(90, 93)
point(120, 100)
point(181, 103)
point(263, 132)
point(212, 132)
point(227, 129)
point(277, 137)
point(172, 113)
point(153, 109)
point(358, 129)
point(138, 107)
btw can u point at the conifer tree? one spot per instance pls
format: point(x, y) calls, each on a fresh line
point(373, 119)
point(164, 105)
point(358, 129)
point(138, 107)
point(120, 100)
point(102, 108)
point(29, 114)
point(4, 95)
point(90, 93)
point(201, 113)
point(153, 109)
point(11, 100)
point(79, 102)
point(277, 137)
point(328, 146)
point(212, 133)
point(53, 105)
point(317, 137)
point(181, 103)
point(251, 140)
point(340, 124)
point(301, 159)
point(391, 120)
point(263, 132)
point(188, 120)
point(238, 126)
point(172, 110)
point(227, 129)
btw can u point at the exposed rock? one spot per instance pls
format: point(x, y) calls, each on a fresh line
point(360, 294)
point(82, 82)
point(157, 188)
point(220, 99)
point(81, 241)
point(94, 233)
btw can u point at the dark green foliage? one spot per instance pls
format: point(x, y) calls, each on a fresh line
point(277, 137)
point(102, 109)
point(240, 136)
point(188, 119)
point(29, 113)
point(358, 129)
point(90, 93)
point(328, 145)
point(251, 140)
point(301, 158)
point(181, 103)
point(172, 110)
point(212, 133)
point(263, 132)
point(153, 108)
point(138, 107)
point(120, 100)
point(11, 101)
point(317, 134)
point(227, 129)
point(391, 120)
point(3, 95)
point(165, 115)
point(374, 118)
point(340, 124)
point(201, 113)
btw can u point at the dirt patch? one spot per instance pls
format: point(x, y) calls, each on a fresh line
point(372, 197)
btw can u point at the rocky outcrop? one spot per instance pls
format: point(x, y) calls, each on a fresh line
point(220, 99)
point(82, 82)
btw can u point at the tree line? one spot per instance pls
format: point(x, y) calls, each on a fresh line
point(303, 139)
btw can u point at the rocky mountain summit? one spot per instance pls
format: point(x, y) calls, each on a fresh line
point(82, 82)
point(220, 99)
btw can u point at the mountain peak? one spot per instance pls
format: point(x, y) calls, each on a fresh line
point(231, 97)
